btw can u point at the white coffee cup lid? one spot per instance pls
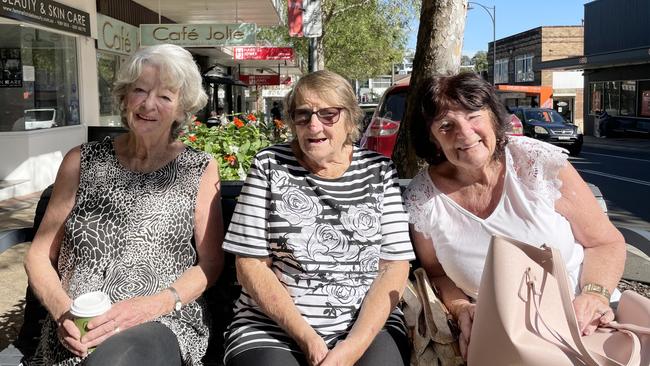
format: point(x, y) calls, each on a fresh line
point(90, 304)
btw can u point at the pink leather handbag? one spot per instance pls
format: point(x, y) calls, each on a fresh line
point(524, 315)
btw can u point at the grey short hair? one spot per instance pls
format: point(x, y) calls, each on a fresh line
point(331, 87)
point(178, 71)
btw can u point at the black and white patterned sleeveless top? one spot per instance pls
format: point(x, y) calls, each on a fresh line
point(130, 234)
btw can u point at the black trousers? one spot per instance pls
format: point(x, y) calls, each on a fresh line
point(389, 348)
point(146, 344)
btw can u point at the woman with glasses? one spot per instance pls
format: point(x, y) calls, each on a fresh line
point(322, 244)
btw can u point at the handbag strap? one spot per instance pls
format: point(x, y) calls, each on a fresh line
point(560, 274)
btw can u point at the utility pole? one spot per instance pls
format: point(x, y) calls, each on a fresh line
point(492, 12)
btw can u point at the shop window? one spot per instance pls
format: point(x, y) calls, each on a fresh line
point(501, 74)
point(381, 82)
point(596, 93)
point(108, 65)
point(524, 68)
point(628, 98)
point(39, 79)
point(611, 102)
point(644, 98)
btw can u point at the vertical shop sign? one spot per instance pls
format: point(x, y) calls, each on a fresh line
point(312, 23)
point(11, 67)
point(295, 18)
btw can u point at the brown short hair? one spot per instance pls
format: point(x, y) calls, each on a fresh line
point(331, 87)
point(440, 94)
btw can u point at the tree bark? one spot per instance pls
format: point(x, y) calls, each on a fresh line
point(438, 51)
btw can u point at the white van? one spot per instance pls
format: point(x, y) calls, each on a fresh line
point(40, 118)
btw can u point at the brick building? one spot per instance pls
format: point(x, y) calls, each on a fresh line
point(521, 83)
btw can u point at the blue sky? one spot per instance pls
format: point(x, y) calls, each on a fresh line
point(512, 17)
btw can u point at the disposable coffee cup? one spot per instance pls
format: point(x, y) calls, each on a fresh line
point(88, 306)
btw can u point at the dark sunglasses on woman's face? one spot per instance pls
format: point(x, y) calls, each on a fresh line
point(327, 116)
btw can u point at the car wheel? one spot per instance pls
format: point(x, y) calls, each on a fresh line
point(575, 150)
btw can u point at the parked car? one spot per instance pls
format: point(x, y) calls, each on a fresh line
point(548, 125)
point(40, 118)
point(381, 133)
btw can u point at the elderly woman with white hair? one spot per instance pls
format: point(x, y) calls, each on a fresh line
point(136, 218)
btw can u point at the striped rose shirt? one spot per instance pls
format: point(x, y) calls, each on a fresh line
point(325, 238)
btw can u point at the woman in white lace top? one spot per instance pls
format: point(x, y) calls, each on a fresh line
point(480, 182)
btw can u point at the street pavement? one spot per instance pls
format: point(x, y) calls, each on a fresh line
point(19, 212)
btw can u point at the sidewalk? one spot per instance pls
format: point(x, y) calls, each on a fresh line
point(627, 144)
point(14, 213)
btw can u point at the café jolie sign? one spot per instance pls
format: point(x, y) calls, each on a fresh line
point(116, 36)
point(198, 35)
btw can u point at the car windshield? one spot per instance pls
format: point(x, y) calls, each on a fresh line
point(34, 115)
point(393, 107)
point(544, 115)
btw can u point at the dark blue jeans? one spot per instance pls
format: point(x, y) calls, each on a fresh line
point(146, 344)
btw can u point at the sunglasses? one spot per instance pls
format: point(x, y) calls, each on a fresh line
point(327, 116)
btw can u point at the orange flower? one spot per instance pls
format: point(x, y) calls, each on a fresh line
point(251, 117)
point(278, 124)
point(231, 159)
point(192, 138)
point(238, 122)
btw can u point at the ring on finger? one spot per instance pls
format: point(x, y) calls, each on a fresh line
point(116, 330)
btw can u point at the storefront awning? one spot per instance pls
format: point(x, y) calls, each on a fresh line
point(610, 59)
point(222, 80)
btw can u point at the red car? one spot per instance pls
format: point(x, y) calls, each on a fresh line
point(381, 133)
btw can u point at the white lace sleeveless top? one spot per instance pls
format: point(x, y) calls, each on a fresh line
point(526, 212)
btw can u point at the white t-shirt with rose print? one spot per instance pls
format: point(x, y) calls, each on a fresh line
point(325, 238)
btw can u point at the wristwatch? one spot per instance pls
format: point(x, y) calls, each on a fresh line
point(594, 288)
point(177, 299)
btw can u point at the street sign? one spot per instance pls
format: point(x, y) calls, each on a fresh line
point(260, 79)
point(263, 53)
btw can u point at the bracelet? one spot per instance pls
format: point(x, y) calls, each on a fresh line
point(596, 289)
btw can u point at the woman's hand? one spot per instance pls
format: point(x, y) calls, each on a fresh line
point(343, 354)
point(591, 311)
point(69, 335)
point(315, 349)
point(122, 315)
point(463, 311)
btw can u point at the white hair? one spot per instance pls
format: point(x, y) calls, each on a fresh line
point(178, 72)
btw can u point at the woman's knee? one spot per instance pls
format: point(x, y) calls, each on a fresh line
point(389, 348)
point(267, 357)
point(146, 344)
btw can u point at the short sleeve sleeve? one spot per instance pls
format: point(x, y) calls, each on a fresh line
point(396, 242)
point(248, 231)
point(417, 200)
point(537, 165)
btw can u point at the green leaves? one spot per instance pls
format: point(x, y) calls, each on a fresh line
point(234, 144)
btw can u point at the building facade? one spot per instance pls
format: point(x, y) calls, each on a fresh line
point(521, 82)
point(615, 64)
point(59, 60)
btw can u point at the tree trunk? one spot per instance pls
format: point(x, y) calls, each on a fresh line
point(438, 51)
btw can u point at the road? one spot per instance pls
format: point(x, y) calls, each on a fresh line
point(623, 176)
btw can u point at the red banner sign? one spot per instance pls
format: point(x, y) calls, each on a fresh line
point(263, 53)
point(295, 18)
point(260, 79)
